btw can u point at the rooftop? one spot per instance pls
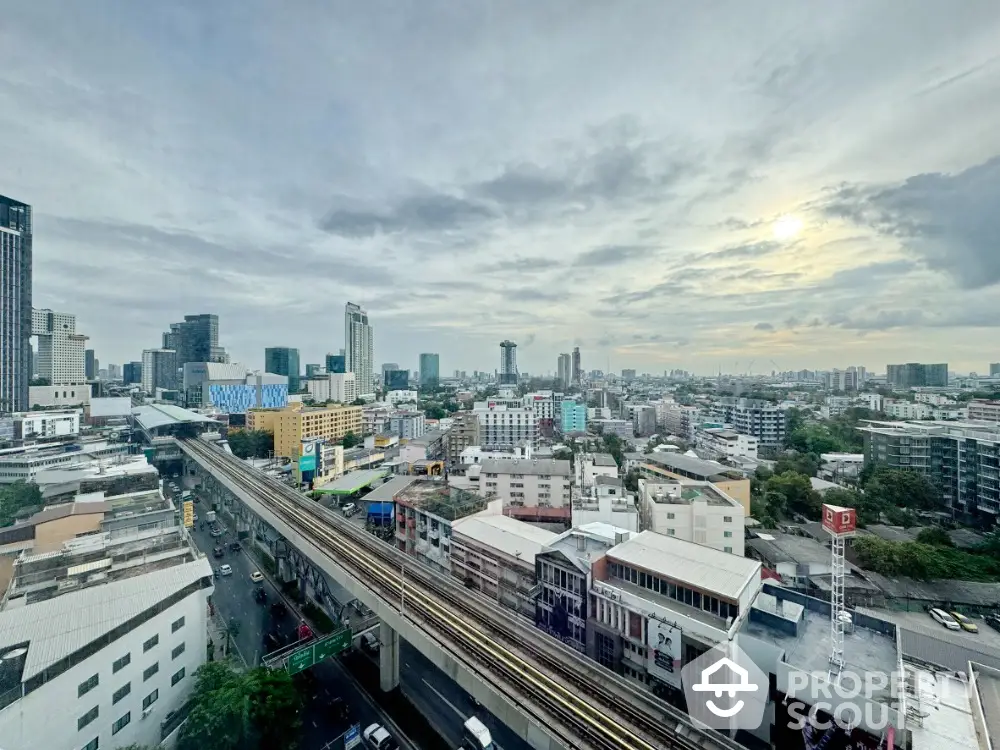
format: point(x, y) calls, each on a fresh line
point(686, 562)
point(506, 535)
point(775, 547)
point(55, 512)
point(695, 468)
point(386, 492)
point(604, 459)
point(685, 493)
point(58, 627)
point(533, 467)
point(153, 416)
point(987, 682)
point(436, 497)
point(352, 482)
point(609, 481)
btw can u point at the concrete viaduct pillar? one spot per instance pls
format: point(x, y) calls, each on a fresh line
point(388, 658)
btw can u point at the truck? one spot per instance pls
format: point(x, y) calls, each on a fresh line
point(476, 736)
point(210, 516)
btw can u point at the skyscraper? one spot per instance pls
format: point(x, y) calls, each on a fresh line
point(508, 363)
point(577, 371)
point(159, 369)
point(90, 364)
point(15, 302)
point(564, 370)
point(359, 348)
point(61, 358)
point(994, 369)
point(916, 375)
point(132, 373)
point(195, 340)
point(336, 363)
point(282, 360)
point(314, 369)
point(430, 370)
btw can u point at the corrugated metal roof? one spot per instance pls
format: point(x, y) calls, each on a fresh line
point(693, 564)
point(527, 466)
point(604, 459)
point(152, 416)
point(57, 627)
point(506, 535)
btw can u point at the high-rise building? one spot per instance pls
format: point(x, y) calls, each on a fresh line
point(851, 379)
point(132, 373)
point(195, 340)
point(397, 380)
point(15, 303)
point(628, 374)
point(61, 358)
point(577, 370)
point(917, 375)
point(565, 370)
point(430, 370)
point(282, 360)
point(508, 363)
point(114, 372)
point(994, 369)
point(359, 348)
point(464, 432)
point(159, 370)
point(90, 364)
point(336, 363)
point(386, 366)
point(313, 370)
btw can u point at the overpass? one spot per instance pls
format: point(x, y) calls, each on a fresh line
point(550, 695)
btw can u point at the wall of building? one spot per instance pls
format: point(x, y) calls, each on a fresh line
point(47, 424)
point(58, 395)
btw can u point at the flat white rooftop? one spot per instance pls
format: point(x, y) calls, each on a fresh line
point(506, 535)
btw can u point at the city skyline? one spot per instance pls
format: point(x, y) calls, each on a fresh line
point(735, 182)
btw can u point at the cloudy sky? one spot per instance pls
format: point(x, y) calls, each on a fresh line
point(663, 184)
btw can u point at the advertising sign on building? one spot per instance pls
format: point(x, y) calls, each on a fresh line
point(307, 461)
point(188, 513)
point(663, 659)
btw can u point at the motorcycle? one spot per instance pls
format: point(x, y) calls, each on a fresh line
point(216, 572)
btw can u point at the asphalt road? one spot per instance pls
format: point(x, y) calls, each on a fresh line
point(233, 598)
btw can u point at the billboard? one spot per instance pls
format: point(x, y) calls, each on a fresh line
point(188, 513)
point(663, 658)
point(838, 520)
point(307, 461)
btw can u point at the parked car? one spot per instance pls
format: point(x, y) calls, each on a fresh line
point(218, 552)
point(944, 618)
point(993, 621)
point(370, 643)
point(377, 737)
point(226, 570)
point(234, 547)
point(259, 595)
point(256, 576)
point(964, 622)
point(349, 509)
point(216, 532)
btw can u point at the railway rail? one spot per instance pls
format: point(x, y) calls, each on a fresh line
point(605, 713)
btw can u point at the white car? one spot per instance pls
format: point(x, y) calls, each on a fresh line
point(377, 737)
point(256, 576)
point(226, 570)
point(945, 619)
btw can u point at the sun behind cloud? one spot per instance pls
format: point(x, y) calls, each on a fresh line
point(788, 226)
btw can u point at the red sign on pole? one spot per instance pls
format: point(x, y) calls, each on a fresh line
point(838, 520)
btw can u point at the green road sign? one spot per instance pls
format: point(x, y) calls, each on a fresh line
point(301, 660)
point(333, 644)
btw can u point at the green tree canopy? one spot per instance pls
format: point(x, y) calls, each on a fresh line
point(258, 709)
point(924, 561)
point(900, 488)
point(16, 498)
point(350, 440)
point(250, 443)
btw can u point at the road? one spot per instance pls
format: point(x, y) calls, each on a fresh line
point(233, 598)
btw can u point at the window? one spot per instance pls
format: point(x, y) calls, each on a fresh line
point(150, 643)
point(92, 745)
point(86, 686)
point(121, 723)
point(151, 671)
point(121, 692)
point(727, 519)
point(177, 677)
point(727, 534)
point(150, 699)
point(670, 516)
point(728, 549)
point(177, 625)
point(670, 532)
point(86, 718)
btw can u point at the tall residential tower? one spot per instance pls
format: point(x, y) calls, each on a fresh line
point(359, 348)
point(15, 304)
point(508, 363)
point(430, 370)
point(283, 360)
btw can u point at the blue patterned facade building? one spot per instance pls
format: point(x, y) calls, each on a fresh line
point(238, 398)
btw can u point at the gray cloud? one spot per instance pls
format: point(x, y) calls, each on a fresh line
point(763, 327)
point(948, 221)
point(428, 211)
point(612, 255)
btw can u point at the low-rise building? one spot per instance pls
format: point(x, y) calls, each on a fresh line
point(42, 425)
point(395, 398)
point(608, 503)
point(694, 511)
point(475, 455)
point(534, 483)
point(408, 425)
point(841, 465)
point(984, 411)
point(48, 396)
point(908, 409)
point(589, 466)
point(572, 417)
point(425, 511)
point(495, 554)
point(732, 482)
point(463, 434)
point(623, 428)
point(718, 443)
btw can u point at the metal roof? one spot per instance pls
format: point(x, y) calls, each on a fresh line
point(152, 416)
point(604, 459)
point(57, 627)
point(693, 564)
point(506, 535)
point(610, 481)
point(386, 492)
point(532, 466)
point(352, 482)
point(686, 463)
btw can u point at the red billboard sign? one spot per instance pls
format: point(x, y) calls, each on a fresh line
point(839, 520)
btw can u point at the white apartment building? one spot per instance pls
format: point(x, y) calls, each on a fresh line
point(506, 427)
point(680, 420)
point(495, 554)
point(395, 398)
point(535, 483)
point(609, 503)
point(662, 407)
point(334, 386)
point(693, 511)
point(61, 358)
point(765, 421)
point(408, 425)
point(851, 379)
point(36, 425)
point(721, 443)
point(623, 428)
point(598, 412)
point(589, 466)
point(474, 454)
point(984, 411)
point(101, 664)
point(908, 410)
point(359, 348)
point(542, 403)
point(934, 399)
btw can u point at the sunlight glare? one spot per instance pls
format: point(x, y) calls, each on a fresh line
point(787, 227)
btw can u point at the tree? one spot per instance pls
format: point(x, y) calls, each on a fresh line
point(564, 454)
point(800, 463)
point(17, 497)
point(632, 480)
point(902, 488)
point(435, 411)
point(250, 443)
point(350, 440)
point(39, 381)
point(935, 536)
point(797, 491)
point(358, 402)
point(257, 709)
point(613, 445)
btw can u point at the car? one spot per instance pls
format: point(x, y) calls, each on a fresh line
point(278, 610)
point(370, 643)
point(377, 737)
point(216, 532)
point(964, 622)
point(993, 621)
point(259, 595)
point(349, 509)
point(234, 547)
point(226, 570)
point(256, 576)
point(194, 517)
point(944, 618)
point(218, 552)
